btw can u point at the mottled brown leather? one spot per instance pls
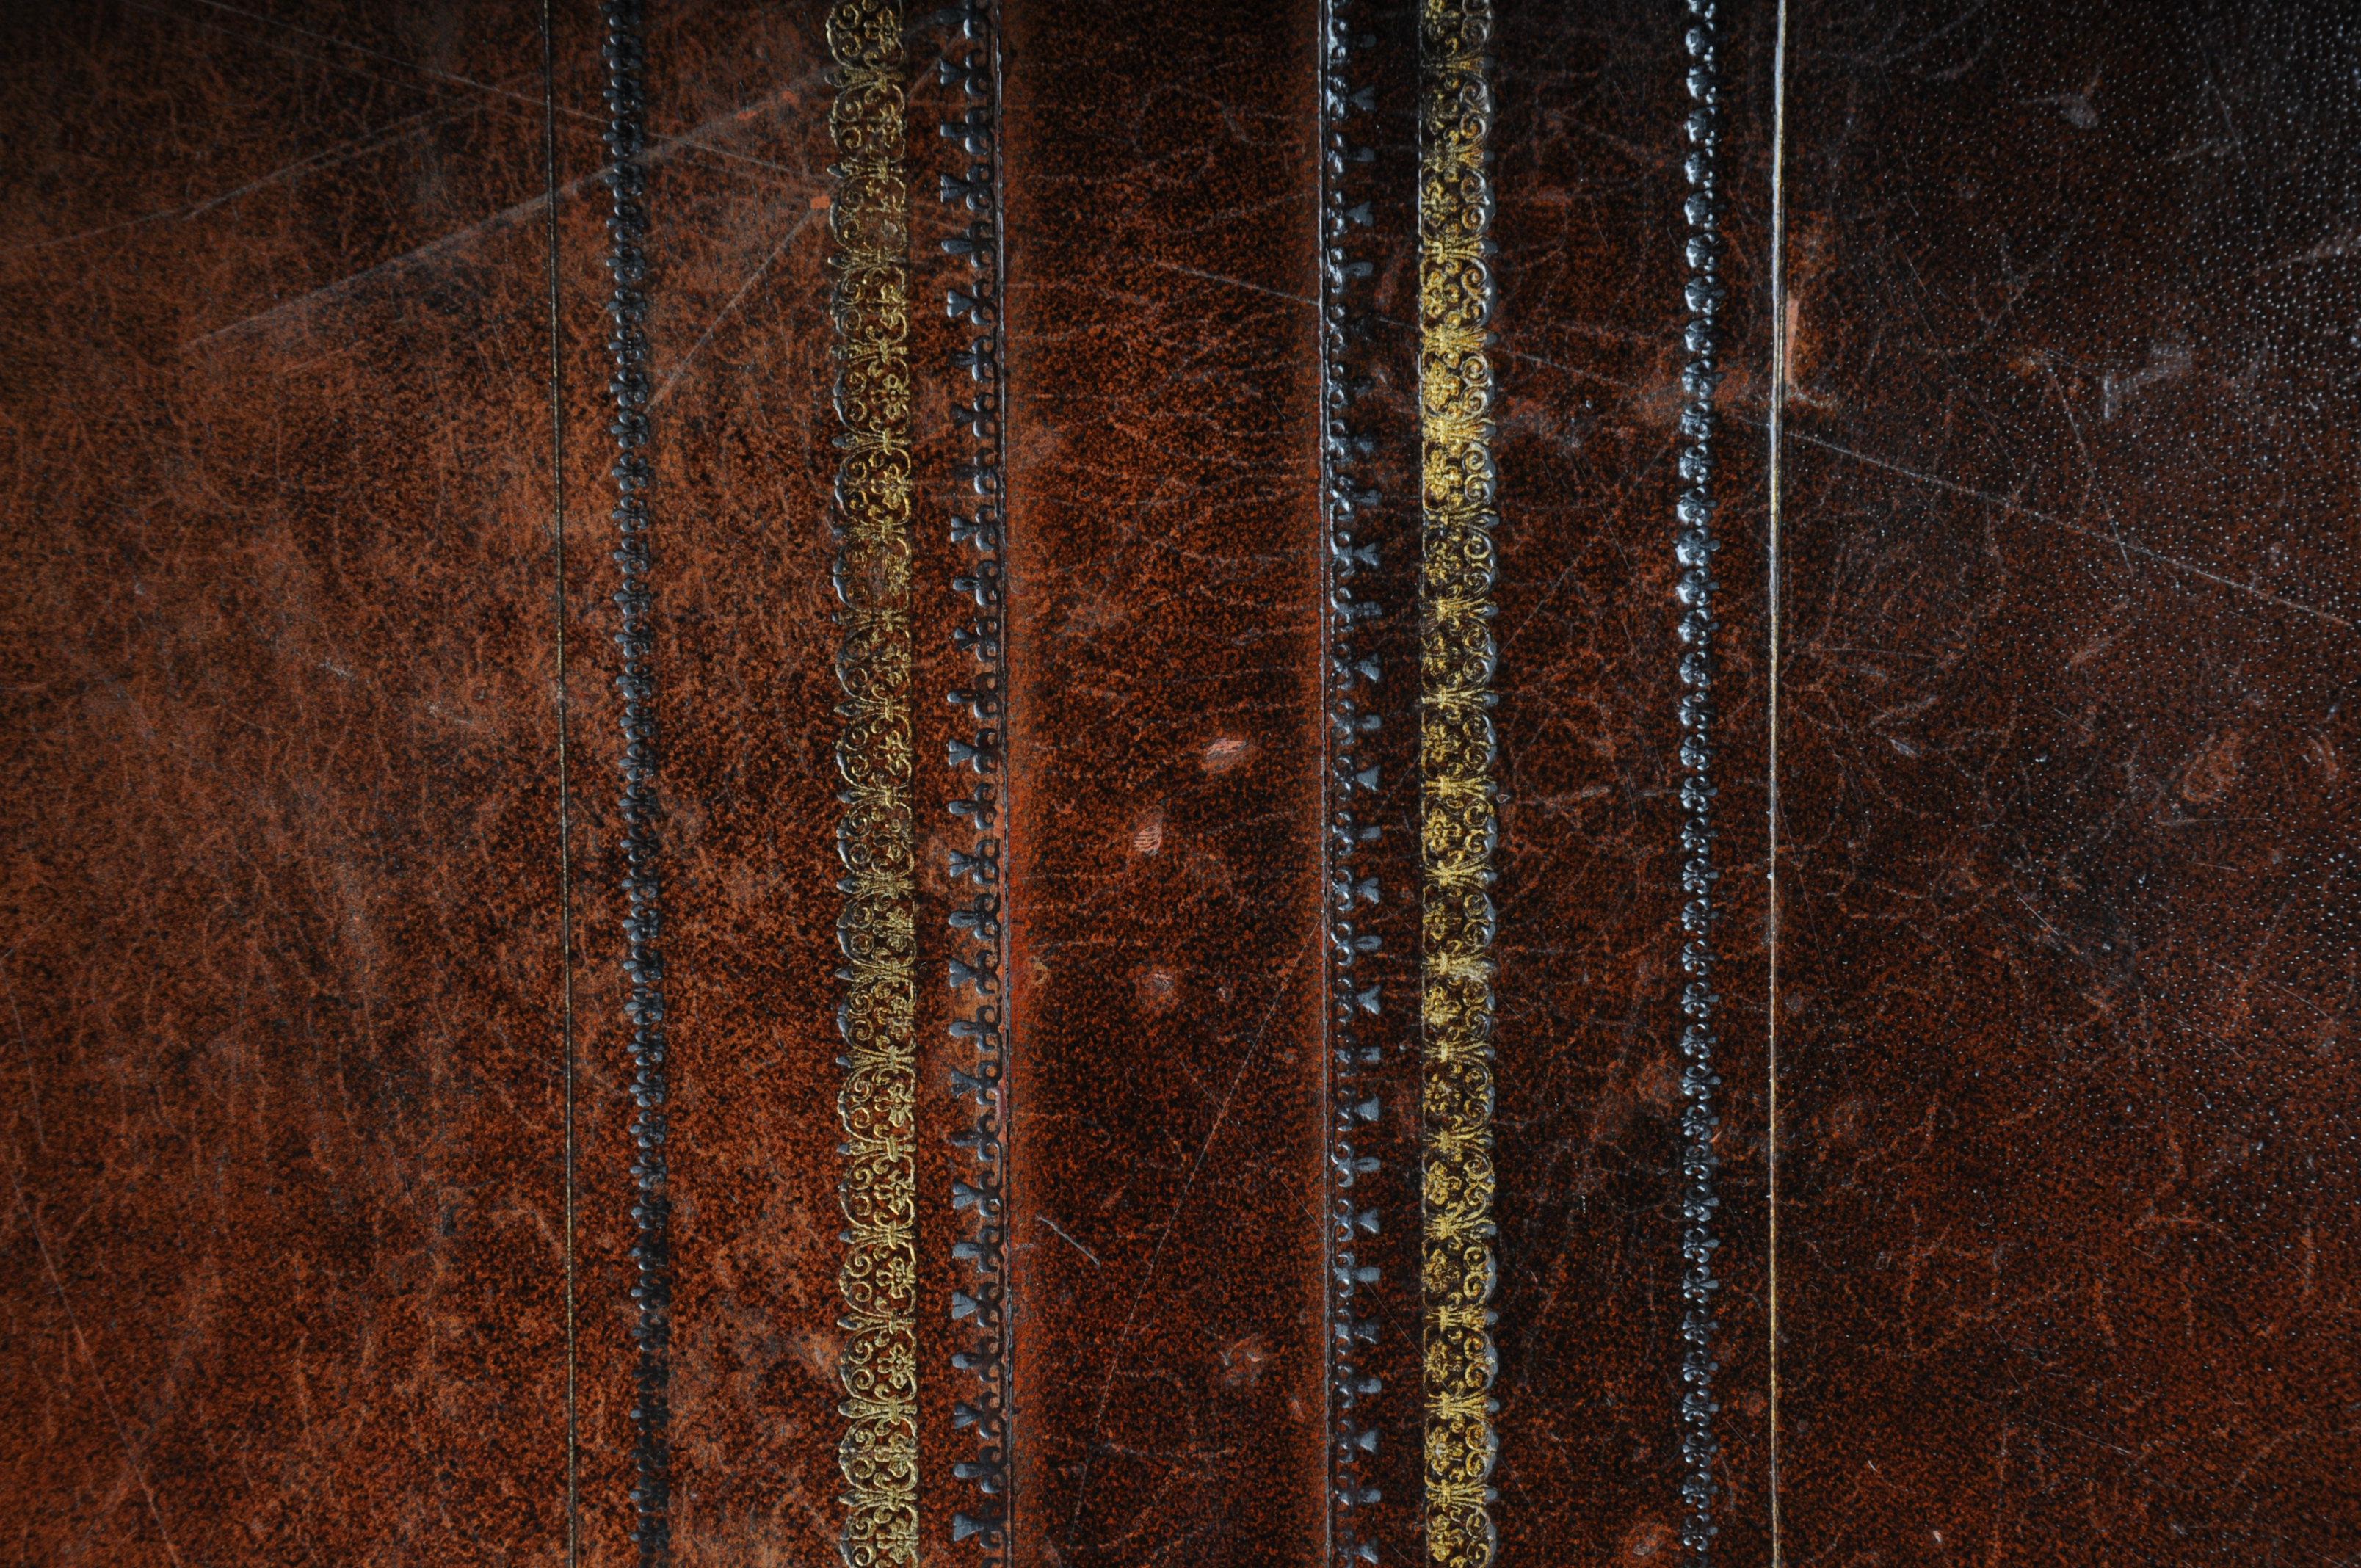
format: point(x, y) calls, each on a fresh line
point(2067, 1264)
point(1589, 358)
point(744, 426)
point(1165, 559)
point(289, 439)
point(2065, 956)
point(284, 1195)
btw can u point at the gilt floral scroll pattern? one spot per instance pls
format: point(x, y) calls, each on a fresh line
point(869, 228)
point(1458, 819)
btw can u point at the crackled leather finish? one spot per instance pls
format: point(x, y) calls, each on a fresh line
point(2061, 972)
point(291, 1163)
point(1165, 566)
point(1590, 229)
point(2067, 960)
point(284, 1193)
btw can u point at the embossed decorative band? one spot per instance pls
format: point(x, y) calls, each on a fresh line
point(643, 970)
point(1356, 1049)
point(971, 64)
point(868, 226)
point(1458, 823)
point(1693, 548)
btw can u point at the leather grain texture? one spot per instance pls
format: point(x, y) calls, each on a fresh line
point(1165, 712)
point(285, 1190)
point(742, 433)
point(313, 863)
point(1591, 269)
point(2067, 954)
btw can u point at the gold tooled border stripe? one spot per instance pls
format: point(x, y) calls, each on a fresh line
point(869, 306)
point(1457, 819)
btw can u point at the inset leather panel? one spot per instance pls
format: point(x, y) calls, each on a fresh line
point(1167, 974)
point(2066, 967)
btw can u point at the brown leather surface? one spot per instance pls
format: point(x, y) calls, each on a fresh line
point(2068, 954)
point(746, 721)
point(346, 503)
point(1589, 358)
point(2065, 956)
point(1167, 978)
point(946, 451)
point(284, 1190)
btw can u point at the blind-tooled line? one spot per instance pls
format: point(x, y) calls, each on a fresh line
point(1352, 785)
point(491, 91)
point(1771, 590)
point(654, 150)
point(977, 976)
point(643, 971)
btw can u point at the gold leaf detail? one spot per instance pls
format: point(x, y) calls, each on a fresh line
point(869, 311)
point(1457, 824)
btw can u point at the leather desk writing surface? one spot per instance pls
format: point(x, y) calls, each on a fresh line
point(1054, 784)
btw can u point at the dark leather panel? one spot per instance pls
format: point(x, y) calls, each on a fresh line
point(1167, 977)
point(1590, 229)
point(283, 1148)
point(2068, 1271)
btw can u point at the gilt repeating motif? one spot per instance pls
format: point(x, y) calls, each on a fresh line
point(869, 228)
point(1457, 817)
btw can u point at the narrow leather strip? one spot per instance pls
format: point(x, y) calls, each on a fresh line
point(1459, 823)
